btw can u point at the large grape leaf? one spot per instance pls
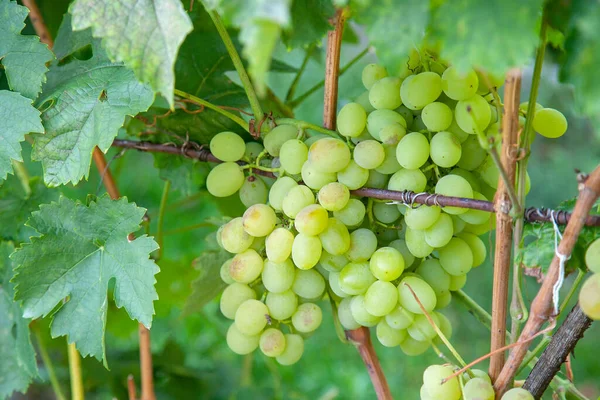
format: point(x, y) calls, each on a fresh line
point(85, 103)
point(208, 284)
point(144, 34)
point(310, 22)
point(494, 34)
point(17, 118)
point(80, 250)
point(17, 357)
point(24, 57)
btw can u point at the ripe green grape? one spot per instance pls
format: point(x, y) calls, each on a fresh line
point(437, 116)
point(278, 277)
point(353, 176)
point(469, 176)
point(259, 220)
point(307, 317)
point(459, 86)
point(473, 114)
point(296, 199)
point(381, 298)
point(443, 299)
point(363, 244)
point(329, 155)
point(413, 150)
point(253, 149)
point(315, 179)
point(476, 217)
point(308, 284)
point(246, 266)
point(293, 155)
point(240, 343)
point(233, 296)
point(258, 244)
point(279, 190)
point(253, 191)
point(352, 214)
point(454, 185)
point(422, 290)
point(417, 125)
point(415, 241)
point(335, 239)
point(444, 324)
point(251, 317)
point(457, 282)
point(333, 263)
point(352, 120)
point(445, 149)
point(456, 257)
point(401, 246)
point(345, 315)
point(234, 238)
point(360, 313)
point(458, 132)
point(419, 90)
point(225, 179)
point(489, 172)
point(277, 137)
point(472, 154)
point(476, 245)
point(388, 336)
point(550, 123)
point(432, 272)
point(227, 146)
point(377, 180)
point(432, 380)
point(278, 245)
point(386, 213)
point(372, 73)
point(390, 162)
point(478, 374)
point(459, 224)
point(421, 329)
point(408, 179)
point(478, 389)
point(386, 264)
point(224, 272)
point(334, 284)
point(406, 113)
point(369, 154)
point(355, 278)
point(400, 318)
point(272, 342)
point(379, 119)
point(363, 100)
point(294, 348)
point(306, 251)
point(391, 134)
point(412, 347)
point(486, 79)
point(525, 105)
point(334, 196)
point(517, 394)
point(311, 220)
point(589, 297)
point(282, 305)
point(440, 233)
point(592, 256)
point(422, 217)
point(385, 93)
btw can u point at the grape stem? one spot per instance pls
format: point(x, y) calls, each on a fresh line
point(161, 217)
point(47, 360)
point(75, 373)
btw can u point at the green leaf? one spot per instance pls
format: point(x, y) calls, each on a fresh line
point(208, 284)
point(24, 57)
point(17, 357)
point(85, 104)
point(18, 118)
point(310, 22)
point(80, 250)
point(187, 176)
point(495, 35)
point(145, 35)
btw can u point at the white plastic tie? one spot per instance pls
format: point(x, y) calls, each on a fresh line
point(561, 265)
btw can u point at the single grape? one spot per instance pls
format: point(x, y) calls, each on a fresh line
point(306, 251)
point(388, 336)
point(355, 278)
point(329, 155)
point(381, 298)
point(550, 123)
point(225, 179)
point(444, 324)
point(353, 176)
point(279, 190)
point(488, 172)
point(458, 224)
point(360, 313)
point(422, 217)
point(478, 374)
point(432, 380)
point(351, 120)
point(457, 282)
point(523, 107)
point(258, 244)
point(278, 245)
point(334, 196)
point(369, 154)
point(363, 100)
point(293, 155)
point(401, 246)
point(377, 180)
point(454, 185)
point(592, 256)
point(400, 318)
point(345, 314)
point(253, 149)
point(432, 272)
point(413, 150)
point(478, 389)
point(415, 241)
point(335, 239)
point(419, 90)
point(443, 299)
point(437, 116)
point(277, 137)
point(259, 220)
point(476, 245)
point(278, 277)
point(311, 220)
point(240, 343)
point(246, 266)
point(352, 214)
point(253, 191)
point(412, 347)
point(224, 272)
point(391, 134)
point(476, 217)
point(472, 154)
point(372, 73)
point(421, 329)
point(333, 263)
point(385, 93)
point(334, 284)
point(308, 284)
point(307, 317)
point(282, 305)
point(423, 292)
point(459, 133)
point(294, 348)
point(445, 149)
point(456, 257)
point(315, 179)
point(473, 114)
point(486, 80)
point(251, 317)
point(386, 264)
point(459, 86)
point(469, 176)
point(386, 213)
point(296, 199)
point(363, 244)
point(589, 297)
point(390, 162)
point(234, 238)
point(417, 125)
point(379, 119)
point(233, 296)
point(227, 146)
point(440, 233)
point(517, 394)
point(408, 179)
point(272, 342)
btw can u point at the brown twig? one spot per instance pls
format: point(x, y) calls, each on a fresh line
point(332, 68)
point(504, 223)
point(557, 351)
point(542, 306)
point(35, 16)
point(131, 391)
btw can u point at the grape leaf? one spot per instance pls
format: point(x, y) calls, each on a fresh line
point(310, 22)
point(80, 250)
point(84, 103)
point(24, 57)
point(17, 357)
point(208, 284)
point(145, 35)
point(495, 34)
point(18, 118)
point(187, 176)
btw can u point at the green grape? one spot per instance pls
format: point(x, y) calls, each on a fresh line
point(259, 220)
point(489, 173)
point(227, 146)
point(278, 277)
point(413, 150)
point(419, 90)
point(313, 138)
point(443, 299)
point(224, 272)
point(469, 176)
point(478, 374)
point(372, 73)
point(381, 298)
point(377, 180)
point(472, 154)
point(258, 244)
point(432, 272)
point(294, 348)
point(385, 93)
point(422, 290)
point(424, 395)
point(345, 315)
point(253, 149)
point(517, 394)
point(476, 217)
point(486, 79)
point(225, 179)
point(278, 245)
point(272, 342)
point(459, 133)
point(363, 244)
point(445, 149)
point(443, 324)
point(307, 317)
point(253, 191)
point(246, 266)
point(440, 233)
point(379, 119)
point(418, 125)
point(282, 305)
point(406, 113)
point(408, 179)
point(407, 256)
point(458, 224)
point(456, 257)
point(333, 263)
point(329, 155)
point(478, 389)
point(422, 217)
point(476, 245)
point(388, 336)
point(251, 317)
point(390, 162)
point(391, 134)
point(296, 199)
point(385, 234)
point(386, 264)
point(335, 239)
point(433, 378)
point(369, 154)
point(306, 251)
point(459, 86)
point(334, 284)
point(592, 256)
point(473, 114)
point(240, 343)
point(279, 190)
point(363, 100)
point(437, 117)
point(234, 238)
point(550, 123)
point(457, 186)
point(353, 176)
point(589, 297)
point(351, 120)
point(293, 155)
point(386, 213)
point(525, 105)
point(421, 329)
point(400, 318)
point(360, 313)
point(277, 137)
point(355, 278)
point(311, 220)
point(352, 214)
point(412, 347)
point(415, 241)
point(308, 284)
point(314, 178)
point(334, 196)
point(457, 282)
point(233, 296)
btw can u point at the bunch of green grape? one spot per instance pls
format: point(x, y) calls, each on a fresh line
point(589, 296)
point(473, 385)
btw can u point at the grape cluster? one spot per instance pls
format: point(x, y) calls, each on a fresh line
point(385, 265)
point(589, 296)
